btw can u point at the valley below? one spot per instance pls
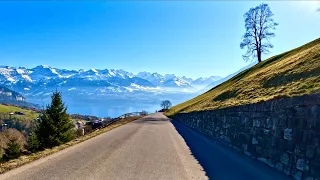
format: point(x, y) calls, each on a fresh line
point(112, 105)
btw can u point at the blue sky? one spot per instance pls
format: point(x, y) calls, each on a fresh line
point(182, 37)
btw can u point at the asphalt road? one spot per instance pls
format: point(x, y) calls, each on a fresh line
point(149, 148)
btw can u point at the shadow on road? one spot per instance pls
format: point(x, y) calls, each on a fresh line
point(220, 162)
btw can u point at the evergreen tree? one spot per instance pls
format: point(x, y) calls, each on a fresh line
point(15, 142)
point(55, 126)
point(33, 141)
point(12, 151)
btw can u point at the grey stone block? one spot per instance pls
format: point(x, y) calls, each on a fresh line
point(279, 166)
point(302, 164)
point(264, 160)
point(310, 151)
point(287, 170)
point(297, 175)
point(287, 134)
point(285, 159)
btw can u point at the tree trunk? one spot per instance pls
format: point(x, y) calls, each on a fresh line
point(259, 56)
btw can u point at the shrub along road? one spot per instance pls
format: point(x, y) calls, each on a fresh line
point(148, 148)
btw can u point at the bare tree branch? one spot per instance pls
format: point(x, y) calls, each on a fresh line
point(165, 104)
point(259, 26)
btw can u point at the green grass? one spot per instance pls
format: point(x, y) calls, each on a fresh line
point(29, 114)
point(293, 73)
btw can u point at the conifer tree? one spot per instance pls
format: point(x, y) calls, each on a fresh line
point(15, 142)
point(55, 126)
point(33, 141)
point(12, 151)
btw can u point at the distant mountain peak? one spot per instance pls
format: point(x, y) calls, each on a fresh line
point(93, 70)
point(42, 66)
point(45, 76)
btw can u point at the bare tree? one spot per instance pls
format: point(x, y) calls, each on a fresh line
point(259, 26)
point(165, 104)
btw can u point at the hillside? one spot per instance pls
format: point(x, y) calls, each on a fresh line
point(9, 95)
point(292, 73)
point(22, 122)
point(29, 114)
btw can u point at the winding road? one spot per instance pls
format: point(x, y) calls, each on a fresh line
point(150, 148)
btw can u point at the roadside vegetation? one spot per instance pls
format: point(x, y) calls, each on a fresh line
point(293, 73)
point(53, 127)
point(47, 132)
point(27, 158)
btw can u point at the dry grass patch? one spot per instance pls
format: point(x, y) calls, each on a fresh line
point(6, 166)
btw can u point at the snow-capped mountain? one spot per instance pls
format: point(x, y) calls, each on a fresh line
point(154, 78)
point(203, 82)
point(14, 74)
point(8, 96)
point(167, 80)
point(189, 80)
point(95, 91)
point(44, 78)
point(175, 81)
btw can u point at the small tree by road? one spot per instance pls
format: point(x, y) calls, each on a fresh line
point(260, 26)
point(165, 104)
point(12, 143)
point(55, 126)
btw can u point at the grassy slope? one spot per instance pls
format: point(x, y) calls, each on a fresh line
point(29, 114)
point(292, 73)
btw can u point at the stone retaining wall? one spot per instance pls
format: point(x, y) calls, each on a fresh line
point(282, 133)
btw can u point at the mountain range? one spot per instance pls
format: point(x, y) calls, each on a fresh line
point(27, 80)
point(102, 88)
point(7, 96)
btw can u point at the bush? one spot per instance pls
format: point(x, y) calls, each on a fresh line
point(3, 144)
point(33, 142)
point(12, 151)
point(12, 142)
